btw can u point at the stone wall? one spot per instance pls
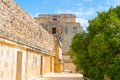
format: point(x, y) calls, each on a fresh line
point(68, 65)
point(68, 31)
point(65, 24)
point(64, 18)
point(32, 65)
point(6, 63)
point(58, 58)
point(18, 62)
point(66, 27)
point(16, 25)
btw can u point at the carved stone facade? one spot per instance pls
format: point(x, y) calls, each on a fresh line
point(64, 26)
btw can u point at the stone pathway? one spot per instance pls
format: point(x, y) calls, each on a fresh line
point(63, 76)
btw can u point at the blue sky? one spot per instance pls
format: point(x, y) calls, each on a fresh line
point(84, 9)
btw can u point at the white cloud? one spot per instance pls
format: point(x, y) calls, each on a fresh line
point(44, 2)
point(103, 8)
point(82, 15)
point(36, 15)
point(108, 2)
point(83, 22)
point(78, 4)
point(112, 3)
point(117, 3)
point(88, 0)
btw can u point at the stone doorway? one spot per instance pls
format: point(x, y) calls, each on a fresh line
point(51, 64)
point(41, 66)
point(19, 66)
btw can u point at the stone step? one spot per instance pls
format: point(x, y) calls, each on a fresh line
point(63, 78)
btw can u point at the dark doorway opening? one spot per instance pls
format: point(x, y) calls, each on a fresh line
point(54, 30)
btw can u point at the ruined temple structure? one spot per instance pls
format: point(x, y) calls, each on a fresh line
point(64, 27)
point(27, 50)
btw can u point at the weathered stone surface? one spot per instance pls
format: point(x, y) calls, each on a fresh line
point(25, 46)
point(68, 65)
point(65, 24)
point(64, 27)
point(18, 26)
point(20, 63)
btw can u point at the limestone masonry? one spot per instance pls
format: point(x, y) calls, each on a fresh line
point(18, 26)
point(27, 51)
point(64, 26)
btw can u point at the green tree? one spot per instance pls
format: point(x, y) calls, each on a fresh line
point(97, 52)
